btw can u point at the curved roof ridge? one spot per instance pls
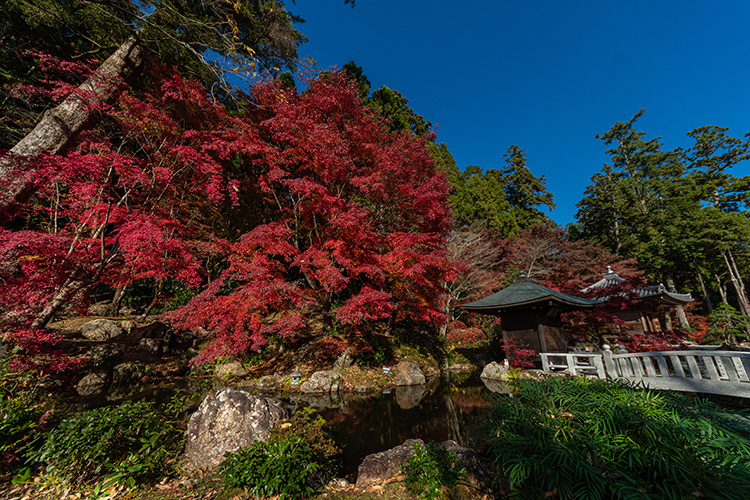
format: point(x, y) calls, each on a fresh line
point(612, 278)
point(525, 292)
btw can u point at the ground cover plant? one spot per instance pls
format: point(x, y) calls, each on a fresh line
point(132, 442)
point(22, 418)
point(430, 469)
point(599, 439)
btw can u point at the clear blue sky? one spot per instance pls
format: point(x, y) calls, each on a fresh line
point(546, 75)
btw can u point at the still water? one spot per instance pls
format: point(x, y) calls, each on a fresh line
point(446, 408)
point(443, 409)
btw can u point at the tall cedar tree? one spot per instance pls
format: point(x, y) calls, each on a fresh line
point(524, 191)
point(640, 206)
point(678, 212)
point(720, 228)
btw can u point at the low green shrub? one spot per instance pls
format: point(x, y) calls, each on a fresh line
point(129, 441)
point(307, 425)
point(599, 439)
point(279, 466)
point(298, 458)
point(430, 469)
point(20, 419)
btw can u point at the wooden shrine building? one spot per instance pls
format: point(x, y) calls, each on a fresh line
point(530, 313)
point(652, 311)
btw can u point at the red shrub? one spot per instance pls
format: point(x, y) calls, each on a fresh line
point(460, 334)
point(517, 355)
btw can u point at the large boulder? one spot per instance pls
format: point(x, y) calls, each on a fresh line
point(536, 374)
point(151, 346)
point(101, 330)
point(383, 466)
point(322, 383)
point(269, 383)
point(475, 473)
point(99, 309)
point(124, 373)
point(227, 421)
point(408, 373)
point(495, 371)
point(344, 361)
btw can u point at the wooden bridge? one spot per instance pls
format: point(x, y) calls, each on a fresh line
point(711, 372)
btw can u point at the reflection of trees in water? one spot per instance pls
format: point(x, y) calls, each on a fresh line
point(452, 418)
point(379, 423)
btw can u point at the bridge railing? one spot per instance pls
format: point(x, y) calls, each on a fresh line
point(716, 372)
point(576, 363)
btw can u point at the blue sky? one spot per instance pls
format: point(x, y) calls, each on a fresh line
point(546, 75)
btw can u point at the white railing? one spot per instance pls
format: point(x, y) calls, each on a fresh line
point(714, 372)
point(575, 363)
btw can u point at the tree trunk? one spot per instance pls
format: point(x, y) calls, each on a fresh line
point(60, 297)
point(617, 233)
point(722, 289)
point(706, 298)
point(740, 282)
point(157, 293)
point(59, 125)
point(114, 306)
point(739, 286)
point(679, 309)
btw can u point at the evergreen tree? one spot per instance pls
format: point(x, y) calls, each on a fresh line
point(720, 229)
point(640, 205)
point(354, 72)
point(523, 191)
point(392, 105)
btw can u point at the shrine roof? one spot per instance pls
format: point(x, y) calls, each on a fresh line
point(525, 293)
point(611, 278)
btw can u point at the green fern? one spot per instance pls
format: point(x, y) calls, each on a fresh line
point(595, 439)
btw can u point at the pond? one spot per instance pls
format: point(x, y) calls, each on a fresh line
point(361, 424)
point(447, 407)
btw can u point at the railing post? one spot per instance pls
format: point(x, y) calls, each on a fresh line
point(545, 362)
point(599, 365)
point(571, 361)
point(609, 362)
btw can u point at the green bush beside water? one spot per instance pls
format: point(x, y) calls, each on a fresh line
point(297, 460)
point(430, 469)
point(597, 439)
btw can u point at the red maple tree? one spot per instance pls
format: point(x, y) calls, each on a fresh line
point(356, 224)
point(128, 201)
point(353, 218)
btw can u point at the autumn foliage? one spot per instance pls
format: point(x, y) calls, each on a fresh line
point(303, 202)
point(358, 217)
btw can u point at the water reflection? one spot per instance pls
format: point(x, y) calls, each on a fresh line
point(437, 411)
point(445, 408)
point(496, 386)
point(408, 397)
